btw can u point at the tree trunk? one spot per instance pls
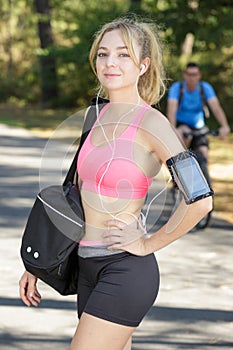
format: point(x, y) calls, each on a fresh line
point(10, 42)
point(47, 60)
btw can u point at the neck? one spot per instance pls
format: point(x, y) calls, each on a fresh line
point(120, 110)
point(130, 97)
point(191, 87)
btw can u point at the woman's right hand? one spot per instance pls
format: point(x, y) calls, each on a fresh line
point(28, 290)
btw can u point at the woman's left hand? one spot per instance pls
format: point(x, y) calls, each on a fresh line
point(125, 237)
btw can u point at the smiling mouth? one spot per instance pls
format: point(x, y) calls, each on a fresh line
point(111, 75)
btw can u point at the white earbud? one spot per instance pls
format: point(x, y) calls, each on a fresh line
point(142, 69)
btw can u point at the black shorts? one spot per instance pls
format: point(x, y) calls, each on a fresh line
point(118, 288)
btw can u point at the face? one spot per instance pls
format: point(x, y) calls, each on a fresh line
point(192, 76)
point(115, 68)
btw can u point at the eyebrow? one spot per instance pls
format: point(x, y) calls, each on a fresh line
point(118, 48)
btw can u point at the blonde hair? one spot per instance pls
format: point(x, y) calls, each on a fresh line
point(151, 84)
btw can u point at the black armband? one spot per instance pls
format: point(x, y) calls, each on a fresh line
point(188, 176)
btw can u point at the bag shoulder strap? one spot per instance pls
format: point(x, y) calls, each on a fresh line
point(205, 104)
point(88, 123)
point(181, 92)
point(202, 92)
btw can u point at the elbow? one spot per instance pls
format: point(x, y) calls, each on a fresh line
point(205, 206)
point(209, 204)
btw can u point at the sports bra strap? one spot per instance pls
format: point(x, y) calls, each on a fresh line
point(137, 119)
point(130, 132)
point(135, 122)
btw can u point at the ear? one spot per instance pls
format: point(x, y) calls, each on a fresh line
point(144, 65)
point(142, 69)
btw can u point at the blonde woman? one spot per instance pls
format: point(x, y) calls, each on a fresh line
point(119, 276)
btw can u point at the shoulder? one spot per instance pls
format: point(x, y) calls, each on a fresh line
point(159, 135)
point(176, 84)
point(157, 124)
point(154, 118)
point(208, 89)
point(174, 90)
point(90, 116)
point(205, 84)
point(95, 110)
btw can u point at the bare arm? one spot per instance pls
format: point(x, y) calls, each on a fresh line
point(172, 106)
point(165, 144)
point(183, 220)
point(220, 116)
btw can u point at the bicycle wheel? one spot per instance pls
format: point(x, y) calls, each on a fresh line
point(204, 166)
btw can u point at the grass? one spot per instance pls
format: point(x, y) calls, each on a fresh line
point(43, 122)
point(33, 118)
point(221, 171)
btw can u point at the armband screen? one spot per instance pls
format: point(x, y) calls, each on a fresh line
point(188, 176)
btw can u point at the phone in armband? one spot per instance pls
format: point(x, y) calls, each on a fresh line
point(188, 176)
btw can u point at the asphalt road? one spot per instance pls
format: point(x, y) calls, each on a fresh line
point(194, 307)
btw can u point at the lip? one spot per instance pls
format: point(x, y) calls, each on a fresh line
point(111, 75)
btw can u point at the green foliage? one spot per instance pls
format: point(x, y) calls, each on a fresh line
point(77, 81)
point(207, 22)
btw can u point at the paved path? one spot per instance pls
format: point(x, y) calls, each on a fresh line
point(194, 307)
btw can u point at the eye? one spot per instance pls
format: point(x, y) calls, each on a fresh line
point(123, 54)
point(101, 54)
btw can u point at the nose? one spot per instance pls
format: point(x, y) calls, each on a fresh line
point(111, 61)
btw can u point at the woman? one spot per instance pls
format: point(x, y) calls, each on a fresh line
point(119, 277)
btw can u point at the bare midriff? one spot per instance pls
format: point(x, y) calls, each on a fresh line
point(100, 209)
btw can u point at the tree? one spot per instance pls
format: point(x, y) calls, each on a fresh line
point(191, 29)
point(135, 6)
point(47, 59)
point(207, 25)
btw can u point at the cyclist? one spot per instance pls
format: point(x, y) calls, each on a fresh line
point(187, 106)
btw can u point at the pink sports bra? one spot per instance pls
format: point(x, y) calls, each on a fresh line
point(113, 175)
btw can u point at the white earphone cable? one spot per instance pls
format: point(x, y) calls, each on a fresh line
point(112, 145)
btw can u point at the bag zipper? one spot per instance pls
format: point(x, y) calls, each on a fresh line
point(57, 211)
